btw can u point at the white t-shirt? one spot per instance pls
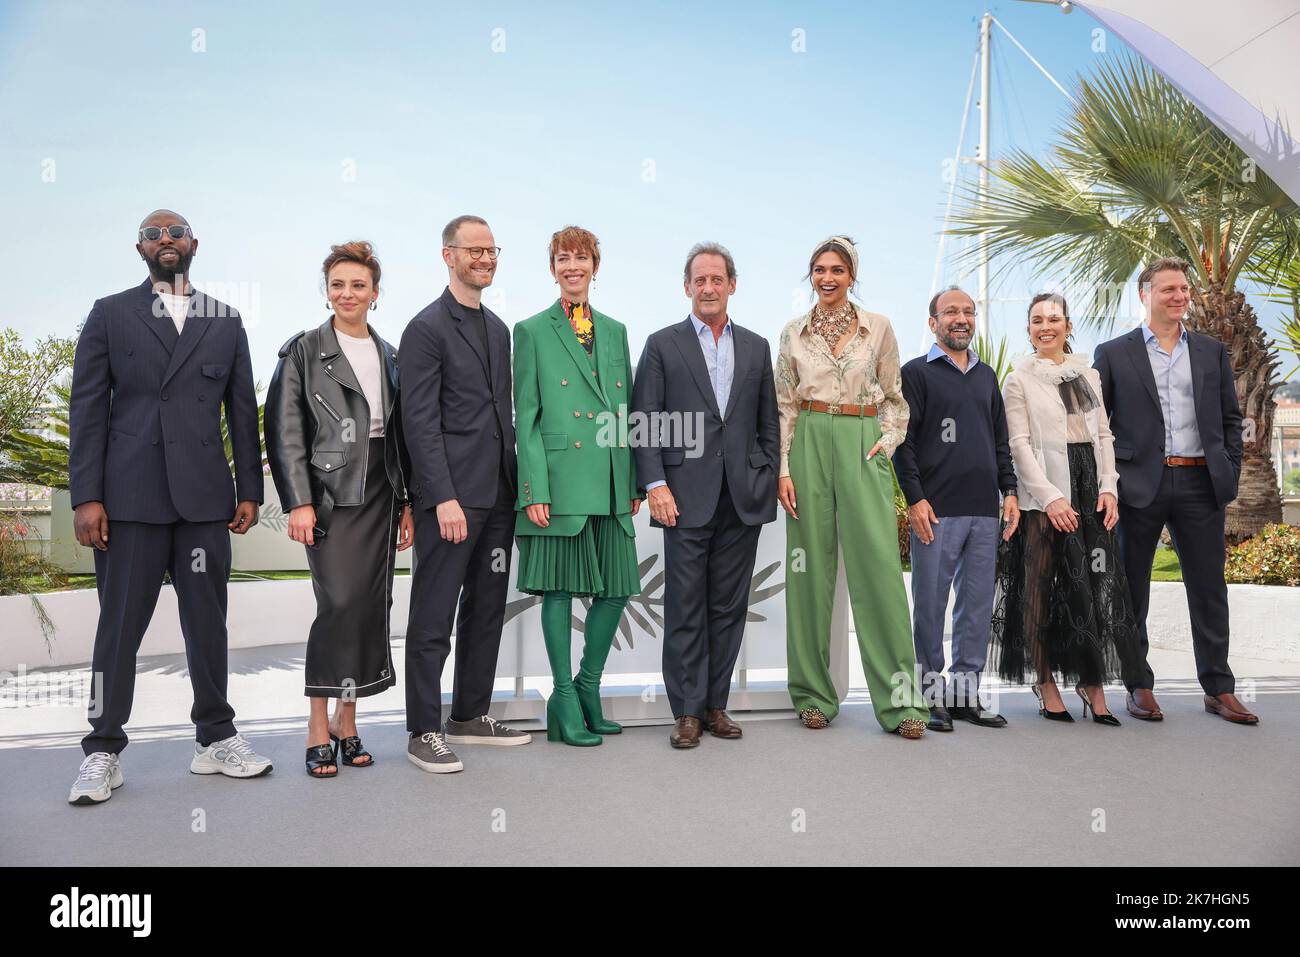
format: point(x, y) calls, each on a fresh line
point(177, 307)
point(363, 356)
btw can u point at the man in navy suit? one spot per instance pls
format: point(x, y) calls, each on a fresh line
point(1173, 408)
point(711, 489)
point(455, 380)
point(152, 492)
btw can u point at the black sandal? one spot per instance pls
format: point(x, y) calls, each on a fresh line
point(351, 750)
point(322, 756)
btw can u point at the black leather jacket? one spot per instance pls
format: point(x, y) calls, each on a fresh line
point(317, 425)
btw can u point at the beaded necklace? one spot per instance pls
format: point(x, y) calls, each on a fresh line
point(832, 324)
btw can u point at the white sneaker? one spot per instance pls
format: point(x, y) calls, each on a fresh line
point(99, 774)
point(233, 757)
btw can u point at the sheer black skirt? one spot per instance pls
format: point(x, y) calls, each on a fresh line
point(1062, 604)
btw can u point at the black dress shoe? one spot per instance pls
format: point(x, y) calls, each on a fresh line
point(940, 720)
point(975, 714)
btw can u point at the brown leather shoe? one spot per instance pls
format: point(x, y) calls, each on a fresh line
point(686, 733)
point(1141, 703)
point(1227, 707)
point(720, 724)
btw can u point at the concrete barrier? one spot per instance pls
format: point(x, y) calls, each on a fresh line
point(1265, 623)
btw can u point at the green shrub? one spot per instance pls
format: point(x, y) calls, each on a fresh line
point(1270, 558)
point(22, 569)
point(903, 522)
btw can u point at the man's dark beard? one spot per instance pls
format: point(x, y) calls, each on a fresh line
point(161, 273)
point(952, 343)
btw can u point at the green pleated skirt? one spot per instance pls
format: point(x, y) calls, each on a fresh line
point(599, 561)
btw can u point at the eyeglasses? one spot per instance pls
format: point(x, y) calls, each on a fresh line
point(154, 233)
point(476, 252)
point(952, 312)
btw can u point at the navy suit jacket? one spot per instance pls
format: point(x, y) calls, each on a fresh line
point(743, 440)
point(1129, 391)
point(458, 423)
point(145, 416)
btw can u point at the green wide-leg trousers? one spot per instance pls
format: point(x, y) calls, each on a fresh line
point(844, 499)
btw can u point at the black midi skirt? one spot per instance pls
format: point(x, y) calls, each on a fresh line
point(1062, 605)
point(348, 653)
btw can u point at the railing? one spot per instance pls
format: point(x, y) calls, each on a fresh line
point(1286, 458)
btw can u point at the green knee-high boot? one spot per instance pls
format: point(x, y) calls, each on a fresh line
point(563, 713)
point(602, 622)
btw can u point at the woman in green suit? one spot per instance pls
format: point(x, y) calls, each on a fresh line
point(577, 482)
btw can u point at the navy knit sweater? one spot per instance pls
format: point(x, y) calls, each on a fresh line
point(956, 453)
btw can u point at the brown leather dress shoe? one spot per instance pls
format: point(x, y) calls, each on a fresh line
point(1227, 707)
point(686, 733)
point(1141, 703)
point(720, 724)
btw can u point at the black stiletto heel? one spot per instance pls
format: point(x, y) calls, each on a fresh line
point(1107, 719)
point(1049, 715)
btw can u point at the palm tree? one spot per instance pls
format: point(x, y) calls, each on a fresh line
point(995, 353)
point(33, 459)
point(1138, 172)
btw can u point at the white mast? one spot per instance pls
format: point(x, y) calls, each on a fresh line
point(983, 63)
point(982, 157)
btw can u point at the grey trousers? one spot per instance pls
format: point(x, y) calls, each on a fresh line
point(963, 556)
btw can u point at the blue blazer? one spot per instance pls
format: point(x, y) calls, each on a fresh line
point(145, 416)
point(1129, 392)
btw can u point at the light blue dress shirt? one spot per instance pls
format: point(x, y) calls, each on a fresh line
point(936, 352)
point(1177, 400)
point(720, 360)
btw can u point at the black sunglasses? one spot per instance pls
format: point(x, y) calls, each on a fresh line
point(154, 233)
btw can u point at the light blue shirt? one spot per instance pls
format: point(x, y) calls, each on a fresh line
point(1177, 400)
point(720, 360)
point(936, 352)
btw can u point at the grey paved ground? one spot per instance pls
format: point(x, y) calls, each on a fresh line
point(1193, 790)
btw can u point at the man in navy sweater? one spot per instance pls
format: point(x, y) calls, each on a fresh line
point(954, 461)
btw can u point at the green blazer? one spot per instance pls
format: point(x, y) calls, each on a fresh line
point(571, 422)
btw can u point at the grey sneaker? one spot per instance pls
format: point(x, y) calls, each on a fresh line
point(234, 757)
point(99, 774)
point(429, 752)
point(484, 730)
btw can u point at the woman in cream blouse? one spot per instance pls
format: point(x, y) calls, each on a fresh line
point(1062, 605)
point(839, 393)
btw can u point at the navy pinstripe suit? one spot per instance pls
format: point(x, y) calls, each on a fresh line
point(145, 440)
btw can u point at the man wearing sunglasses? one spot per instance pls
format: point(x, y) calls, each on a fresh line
point(455, 383)
point(152, 492)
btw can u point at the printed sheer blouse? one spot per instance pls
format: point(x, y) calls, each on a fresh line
point(867, 372)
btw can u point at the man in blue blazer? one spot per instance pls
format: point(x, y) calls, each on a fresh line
point(711, 486)
point(1173, 408)
point(152, 492)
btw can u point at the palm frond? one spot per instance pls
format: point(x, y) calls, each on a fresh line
point(996, 354)
point(1136, 172)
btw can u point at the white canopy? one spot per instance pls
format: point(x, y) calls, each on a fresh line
point(1239, 61)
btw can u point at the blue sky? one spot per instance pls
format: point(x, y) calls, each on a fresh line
point(655, 125)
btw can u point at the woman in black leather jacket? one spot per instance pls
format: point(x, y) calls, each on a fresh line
point(334, 442)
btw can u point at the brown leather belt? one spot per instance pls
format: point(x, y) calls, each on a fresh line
point(832, 408)
point(1182, 460)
